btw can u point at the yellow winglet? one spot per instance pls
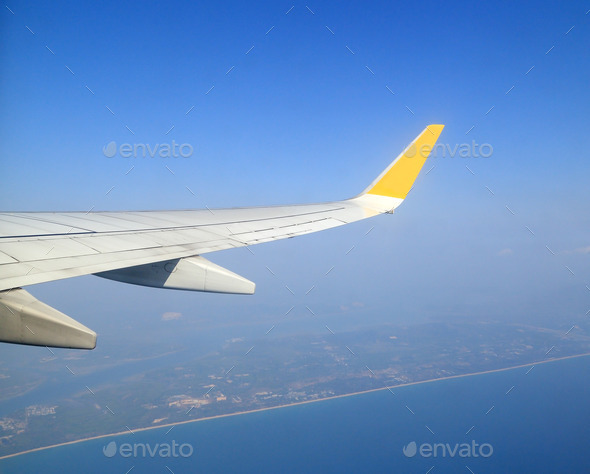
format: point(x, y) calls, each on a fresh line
point(398, 178)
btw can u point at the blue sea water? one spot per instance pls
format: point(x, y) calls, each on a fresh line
point(520, 420)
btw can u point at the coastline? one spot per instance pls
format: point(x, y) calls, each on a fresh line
point(246, 412)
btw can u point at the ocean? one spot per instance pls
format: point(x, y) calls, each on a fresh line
point(519, 420)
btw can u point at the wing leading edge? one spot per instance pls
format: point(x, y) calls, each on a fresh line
point(163, 248)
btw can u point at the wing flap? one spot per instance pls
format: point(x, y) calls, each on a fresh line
point(109, 251)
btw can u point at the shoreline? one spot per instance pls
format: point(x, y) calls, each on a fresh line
point(257, 410)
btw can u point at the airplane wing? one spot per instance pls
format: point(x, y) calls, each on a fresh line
point(163, 248)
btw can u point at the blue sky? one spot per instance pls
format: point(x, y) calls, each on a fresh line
point(324, 100)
